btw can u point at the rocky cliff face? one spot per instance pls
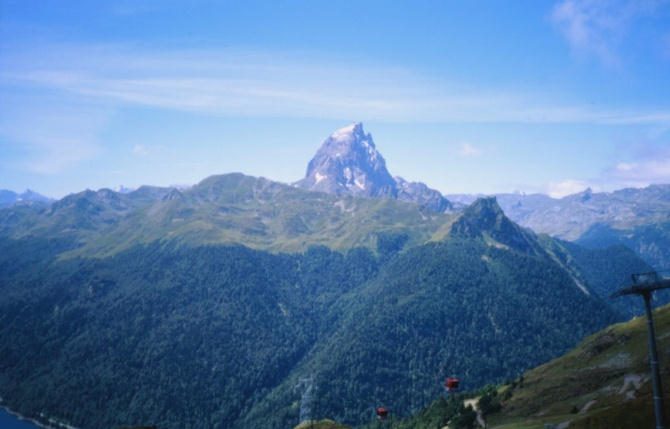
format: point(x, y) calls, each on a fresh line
point(348, 163)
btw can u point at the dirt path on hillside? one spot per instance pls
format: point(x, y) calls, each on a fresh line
point(474, 403)
point(631, 383)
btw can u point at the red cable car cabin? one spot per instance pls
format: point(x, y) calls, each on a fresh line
point(382, 412)
point(451, 384)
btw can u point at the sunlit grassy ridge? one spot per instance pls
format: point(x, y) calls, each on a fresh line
point(230, 208)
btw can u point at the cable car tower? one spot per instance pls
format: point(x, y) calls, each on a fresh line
point(643, 285)
point(307, 387)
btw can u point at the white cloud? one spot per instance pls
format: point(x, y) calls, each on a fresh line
point(596, 27)
point(581, 25)
point(470, 151)
point(140, 149)
point(649, 164)
point(625, 166)
point(645, 163)
point(566, 187)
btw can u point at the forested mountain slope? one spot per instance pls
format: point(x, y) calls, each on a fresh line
point(471, 307)
point(122, 309)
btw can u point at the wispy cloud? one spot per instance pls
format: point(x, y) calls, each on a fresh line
point(56, 154)
point(596, 27)
point(140, 149)
point(255, 84)
point(469, 150)
point(641, 172)
point(645, 164)
point(52, 137)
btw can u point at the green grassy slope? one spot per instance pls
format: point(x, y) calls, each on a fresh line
point(603, 383)
point(225, 209)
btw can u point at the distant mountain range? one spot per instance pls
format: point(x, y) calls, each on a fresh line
point(225, 209)
point(10, 198)
point(637, 218)
point(572, 216)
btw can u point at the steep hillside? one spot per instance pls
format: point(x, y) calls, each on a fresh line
point(603, 270)
point(603, 382)
point(471, 306)
point(484, 219)
point(651, 241)
point(174, 336)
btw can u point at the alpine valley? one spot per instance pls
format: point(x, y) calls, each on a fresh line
point(246, 303)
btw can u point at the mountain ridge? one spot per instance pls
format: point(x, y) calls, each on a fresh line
point(229, 208)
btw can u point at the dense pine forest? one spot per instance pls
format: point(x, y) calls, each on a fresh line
point(219, 335)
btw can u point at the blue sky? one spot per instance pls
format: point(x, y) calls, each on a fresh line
point(468, 97)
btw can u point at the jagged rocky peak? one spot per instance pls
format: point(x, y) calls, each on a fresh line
point(348, 163)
